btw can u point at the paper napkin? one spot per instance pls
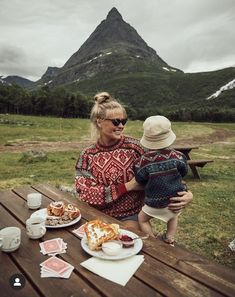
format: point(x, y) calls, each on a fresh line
point(118, 271)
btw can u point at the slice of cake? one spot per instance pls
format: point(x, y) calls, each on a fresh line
point(98, 232)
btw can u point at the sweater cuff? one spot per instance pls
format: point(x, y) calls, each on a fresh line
point(121, 189)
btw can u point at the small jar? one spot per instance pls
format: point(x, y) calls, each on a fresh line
point(127, 241)
point(112, 247)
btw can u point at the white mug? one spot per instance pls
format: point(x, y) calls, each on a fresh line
point(10, 238)
point(34, 200)
point(35, 227)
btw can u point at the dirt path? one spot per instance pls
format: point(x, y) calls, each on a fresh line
point(220, 135)
point(43, 145)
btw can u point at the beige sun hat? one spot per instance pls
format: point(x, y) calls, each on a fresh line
point(157, 133)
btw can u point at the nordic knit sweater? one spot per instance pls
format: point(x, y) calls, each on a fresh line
point(161, 172)
point(101, 174)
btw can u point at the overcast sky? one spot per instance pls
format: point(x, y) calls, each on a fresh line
point(192, 35)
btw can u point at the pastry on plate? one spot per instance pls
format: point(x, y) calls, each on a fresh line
point(56, 208)
point(72, 211)
point(98, 232)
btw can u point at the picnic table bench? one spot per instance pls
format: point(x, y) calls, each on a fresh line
point(193, 164)
point(166, 271)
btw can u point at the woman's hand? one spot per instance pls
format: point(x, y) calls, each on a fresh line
point(132, 185)
point(178, 203)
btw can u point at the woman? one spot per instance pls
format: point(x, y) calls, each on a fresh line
point(105, 177)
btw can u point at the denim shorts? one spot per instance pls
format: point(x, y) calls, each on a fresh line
point(131, 218)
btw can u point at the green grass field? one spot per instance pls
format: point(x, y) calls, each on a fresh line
point(206, 226)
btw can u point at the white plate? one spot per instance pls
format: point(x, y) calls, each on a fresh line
point(125, 253)
point(43, 213)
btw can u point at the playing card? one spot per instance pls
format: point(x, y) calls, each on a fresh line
point(80, 232)
point(51, 274)
point(53, 246)
point(55, 267)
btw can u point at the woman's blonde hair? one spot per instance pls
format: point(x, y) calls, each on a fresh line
point(103, 102)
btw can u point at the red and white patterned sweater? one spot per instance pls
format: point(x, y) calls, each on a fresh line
point(101, 174)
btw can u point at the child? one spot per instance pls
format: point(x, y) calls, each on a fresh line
point(161, 170)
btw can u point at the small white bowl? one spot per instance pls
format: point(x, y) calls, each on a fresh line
point(112, 247)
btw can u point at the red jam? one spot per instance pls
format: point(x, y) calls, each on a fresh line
point(127, 241)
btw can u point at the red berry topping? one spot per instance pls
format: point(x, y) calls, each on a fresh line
point(125, 237)
point(127, 241)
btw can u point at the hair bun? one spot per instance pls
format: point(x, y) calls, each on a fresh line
point(102, 97)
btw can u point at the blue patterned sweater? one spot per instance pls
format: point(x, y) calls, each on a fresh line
point(161, 172)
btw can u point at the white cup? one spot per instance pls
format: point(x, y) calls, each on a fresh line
point(10, 238)
point(35, 227)
point(34, 200)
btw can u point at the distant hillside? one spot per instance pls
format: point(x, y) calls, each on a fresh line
point(163, 92)
point(48, 76)
point(15, 79)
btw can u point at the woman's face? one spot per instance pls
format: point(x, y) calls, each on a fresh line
point(109, 133)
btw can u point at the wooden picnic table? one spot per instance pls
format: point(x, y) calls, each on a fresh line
point(166, 270)
point(193, 164)
point(186, 149)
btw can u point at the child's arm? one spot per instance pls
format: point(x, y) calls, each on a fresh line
point(141, 175)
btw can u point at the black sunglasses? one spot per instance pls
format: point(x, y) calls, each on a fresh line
point(117, 122)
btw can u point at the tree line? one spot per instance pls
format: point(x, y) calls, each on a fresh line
point(44, 101)
point(63, 103)
point(199, 114)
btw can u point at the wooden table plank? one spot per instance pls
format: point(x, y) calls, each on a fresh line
point(195, 266)
point(6, 272)
point(185, 149)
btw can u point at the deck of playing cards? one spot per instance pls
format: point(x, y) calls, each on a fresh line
point(55, 267)
point(80, 232)
point(53, 247)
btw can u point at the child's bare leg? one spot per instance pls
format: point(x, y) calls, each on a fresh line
point(144, 223)
point(171, 228)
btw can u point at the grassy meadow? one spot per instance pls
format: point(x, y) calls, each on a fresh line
point(206, 226)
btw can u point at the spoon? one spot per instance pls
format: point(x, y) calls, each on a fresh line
point(141, 237)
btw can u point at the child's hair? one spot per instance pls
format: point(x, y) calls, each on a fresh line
point(103, 102)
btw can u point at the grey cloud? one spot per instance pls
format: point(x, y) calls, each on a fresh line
point(14, 61)
point(202, 36)
point(10, 54)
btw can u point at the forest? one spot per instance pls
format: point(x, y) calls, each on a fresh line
point(65, 103)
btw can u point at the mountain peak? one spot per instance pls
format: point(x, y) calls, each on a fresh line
point(113, 36)
point(114, 14)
